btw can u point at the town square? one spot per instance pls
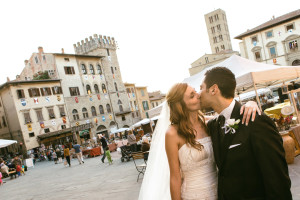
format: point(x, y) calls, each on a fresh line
point(149, 100)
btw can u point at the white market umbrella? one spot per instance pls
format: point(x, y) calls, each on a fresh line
point(5, 143)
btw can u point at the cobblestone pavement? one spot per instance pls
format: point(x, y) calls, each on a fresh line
point(91, 180)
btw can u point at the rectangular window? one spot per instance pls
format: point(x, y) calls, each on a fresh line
point(56, 90)
point(257, 55)
point(156, 103)
point(27, 118)
point(269, 34)
point(51, 113)
point(74, 91)
point(123, 118)
point(67, 59)
point(31, 134)
point(69, 70)
point(213, 29)
point(221, 37)
point(46, 91)
point(108, 52)
point(44, 57)
point(289, 27)
point(137, 114)
point(36, 60)
point(132, 114)
point(20, 94)
point(153, 105)
point(219, 27)
point(39, 115)
point(254, 39)
point(0, 125)
point(4, 121)
point(63, 126)
point(135, 105)
point(206, 59)
point(34, 92)
point(62, 111)
point(145, 105)
point(47, 130)
point(142, 92)
point(272, 52)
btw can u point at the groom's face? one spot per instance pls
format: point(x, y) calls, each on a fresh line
point(204, 96)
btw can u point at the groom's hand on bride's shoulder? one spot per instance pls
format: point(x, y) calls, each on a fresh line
point(250, 108)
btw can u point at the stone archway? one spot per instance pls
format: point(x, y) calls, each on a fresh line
point(296, 63)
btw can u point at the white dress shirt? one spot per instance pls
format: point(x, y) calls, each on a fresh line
point(227, 111)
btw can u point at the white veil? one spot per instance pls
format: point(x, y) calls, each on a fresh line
point(156, 182)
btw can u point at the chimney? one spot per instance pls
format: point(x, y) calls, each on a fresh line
point(62, 51)
point(41, 50)
point(7, 79)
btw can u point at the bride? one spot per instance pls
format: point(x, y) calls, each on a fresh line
point(181, 163)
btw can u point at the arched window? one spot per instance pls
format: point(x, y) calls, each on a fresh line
point(92, 69)
point(75, 114)
point(121, 108)
point(101, 110)
point(94, 112)
point(103, 88)
point(112, 70)
point(85, 113)
point(83, 69)
point(119, 101)
point(88, 89)
point(108, 108)
point(96, 89)
point(99, 69)
point(116, 87)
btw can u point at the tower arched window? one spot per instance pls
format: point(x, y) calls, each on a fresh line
point(99, 69)
point(94, 112)
point(101, 110)
point(103, 88)
point(116, 87)
point(108, 108)
point(121, 108)
point(85, 113)
point(92, 69)
point(83, 69)
point(75, 114)
point(96, 89)
point(119, 101)
point(88, 89)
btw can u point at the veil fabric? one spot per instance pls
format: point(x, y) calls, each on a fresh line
point(156, 182)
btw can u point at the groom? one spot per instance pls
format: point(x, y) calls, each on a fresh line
point(250, 159)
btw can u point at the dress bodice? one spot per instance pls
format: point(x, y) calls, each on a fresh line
point(199, 173)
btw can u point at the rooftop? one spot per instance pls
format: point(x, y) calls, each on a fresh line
point(28, 82)
point(273, 22)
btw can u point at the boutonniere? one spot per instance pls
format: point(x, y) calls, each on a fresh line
point(231, 125)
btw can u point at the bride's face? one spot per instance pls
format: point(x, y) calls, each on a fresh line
point(191, 99)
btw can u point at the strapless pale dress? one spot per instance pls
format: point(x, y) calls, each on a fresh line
point(199, 172)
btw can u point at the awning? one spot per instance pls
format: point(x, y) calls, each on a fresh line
point(119, 130)
point(84, 132)
point(55, 133)
point(5, 143)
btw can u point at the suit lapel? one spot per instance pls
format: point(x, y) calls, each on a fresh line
point(229, 136)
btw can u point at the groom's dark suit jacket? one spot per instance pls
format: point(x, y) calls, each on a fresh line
point(256, 169)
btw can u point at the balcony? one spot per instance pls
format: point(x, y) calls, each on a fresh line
point(123, 112)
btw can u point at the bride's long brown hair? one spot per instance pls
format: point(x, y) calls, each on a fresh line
point(180, 116)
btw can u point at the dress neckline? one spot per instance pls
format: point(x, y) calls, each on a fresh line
point(205, 139)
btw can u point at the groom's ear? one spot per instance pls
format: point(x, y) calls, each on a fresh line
point(214, 89)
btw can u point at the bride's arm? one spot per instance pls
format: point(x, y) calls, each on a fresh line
point(172, 154)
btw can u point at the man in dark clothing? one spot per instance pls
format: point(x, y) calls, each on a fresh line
point(104, 146)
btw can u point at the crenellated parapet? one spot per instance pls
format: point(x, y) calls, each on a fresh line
point(95, 42)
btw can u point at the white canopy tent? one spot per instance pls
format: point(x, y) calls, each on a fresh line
point(5, 143)
point(250, 75)
point(119, 130)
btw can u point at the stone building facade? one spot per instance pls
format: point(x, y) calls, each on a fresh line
point(273, 42)
point(143, 101)
point(156, 98)
point(91, 81)
point(133, 101)
point(35, 111)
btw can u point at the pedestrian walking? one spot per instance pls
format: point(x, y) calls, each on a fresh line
point(104, 146)
point(78, 153)
point(67, 155)
point(58, 154)
point(54, 156)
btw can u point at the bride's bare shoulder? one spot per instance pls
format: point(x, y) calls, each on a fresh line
point(172, 131)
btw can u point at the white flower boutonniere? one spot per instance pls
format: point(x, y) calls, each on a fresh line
point(231, 126)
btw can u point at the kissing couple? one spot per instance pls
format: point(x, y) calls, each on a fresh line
point(227, 158)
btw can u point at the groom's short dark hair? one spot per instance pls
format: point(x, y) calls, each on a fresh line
point(222, 77)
